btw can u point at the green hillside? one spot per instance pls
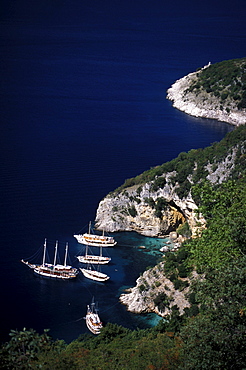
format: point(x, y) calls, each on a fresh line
point(194, 164)
point(225, 80)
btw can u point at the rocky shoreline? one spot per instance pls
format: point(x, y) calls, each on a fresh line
point(203, 105)
point(139, 299)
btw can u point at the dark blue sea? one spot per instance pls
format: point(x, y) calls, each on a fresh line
point(83, 107)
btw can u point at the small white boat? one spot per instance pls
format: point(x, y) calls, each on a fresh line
point(94, 240)
point(94, 274)
point(90, 258)
point(53, 270)
point(93, 321)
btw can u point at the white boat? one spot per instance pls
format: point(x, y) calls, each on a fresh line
point(90, 258)
point(94, 274)
point(94, 240)
point(92, 319)
point(53, 270)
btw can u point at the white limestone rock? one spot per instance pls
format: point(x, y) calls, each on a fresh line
point(113, 211)
point(139, 299)
point(202, 105)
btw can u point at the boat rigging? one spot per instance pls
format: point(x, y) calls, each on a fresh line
point(95, 259)
point(54, 270)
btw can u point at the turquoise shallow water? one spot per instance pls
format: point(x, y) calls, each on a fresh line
point(146, 245)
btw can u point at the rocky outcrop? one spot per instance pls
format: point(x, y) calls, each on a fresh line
point(140, 299)
point(203, 104)
point(219, 172)
point(135, 207)
point(131, 210)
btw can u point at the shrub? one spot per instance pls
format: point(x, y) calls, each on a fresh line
point(142, 288)
point(182, 271)
point(132, 211)
point(192, 298)
point(161, 301)
point(177, 284)
point(184, 230)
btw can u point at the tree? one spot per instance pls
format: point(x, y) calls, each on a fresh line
point(215, 338)
point(224, 209)
point(23, 348)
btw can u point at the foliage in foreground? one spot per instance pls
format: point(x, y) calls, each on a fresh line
point(216, 338)
point(116, 347)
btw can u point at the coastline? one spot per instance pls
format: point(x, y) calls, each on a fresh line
point(203, 105)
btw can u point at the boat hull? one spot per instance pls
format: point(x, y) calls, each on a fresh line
point(94, 259)
point(94, 275)
point(56, 274)
point(95, 240)
point(93, 323)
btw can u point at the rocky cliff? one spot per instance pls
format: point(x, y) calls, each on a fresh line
point(156, 211)
point(134, 209)
point(203, 103)
point(152, 283)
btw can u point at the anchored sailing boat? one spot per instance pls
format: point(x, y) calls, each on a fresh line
point(94, 274)
point(93, 321)
point(53, 270)
point(95, 240)
point(90, 258)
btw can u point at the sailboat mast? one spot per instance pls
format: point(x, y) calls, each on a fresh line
point(92, 305)
point(55, 254)
point(44, 252)
point(65, 259)
point(89, 227)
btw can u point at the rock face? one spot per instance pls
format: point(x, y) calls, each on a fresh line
point(202, 105)
point(152, 283)
point(134, 208)
point(130, 210)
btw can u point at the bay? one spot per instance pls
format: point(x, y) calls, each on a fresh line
point(83, 107)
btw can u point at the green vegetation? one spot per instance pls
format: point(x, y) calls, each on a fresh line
point(132, 211)
point(176, 267)
point(224, 208)
point(115, 348)
point(215, 338)
point(189, 168)
point(161, 301)
point(184, 230)
point(159, 205)
point(225, 80)
point(211, 333)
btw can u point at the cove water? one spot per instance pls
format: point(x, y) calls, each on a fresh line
point(83, 107)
